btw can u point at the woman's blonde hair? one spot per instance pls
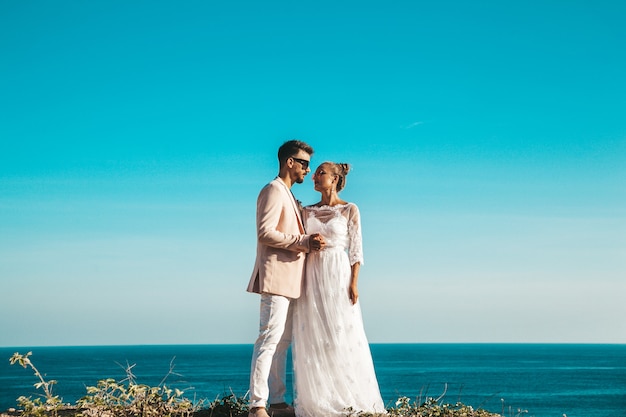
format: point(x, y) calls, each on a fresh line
point(340, 169)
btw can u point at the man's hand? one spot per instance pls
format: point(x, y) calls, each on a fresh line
point(317, 242)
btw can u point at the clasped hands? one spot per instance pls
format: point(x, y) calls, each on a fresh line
point(317, 242)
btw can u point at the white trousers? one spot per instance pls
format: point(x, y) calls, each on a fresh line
point(269, 359)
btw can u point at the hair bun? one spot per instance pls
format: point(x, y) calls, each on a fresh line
point(345, 168)
point(341, 169)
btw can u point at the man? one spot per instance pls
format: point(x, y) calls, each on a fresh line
point(277, 276)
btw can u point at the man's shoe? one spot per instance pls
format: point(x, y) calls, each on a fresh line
point(258, 412)
point(281, 410)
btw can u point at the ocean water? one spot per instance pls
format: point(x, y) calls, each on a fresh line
point(541, 380)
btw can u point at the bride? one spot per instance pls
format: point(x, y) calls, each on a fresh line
point(333, 369)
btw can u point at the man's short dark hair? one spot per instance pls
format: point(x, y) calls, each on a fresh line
point(292, 147)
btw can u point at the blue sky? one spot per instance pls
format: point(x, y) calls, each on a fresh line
point(487, 139)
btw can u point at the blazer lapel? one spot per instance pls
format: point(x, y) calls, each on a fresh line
point(296, 209)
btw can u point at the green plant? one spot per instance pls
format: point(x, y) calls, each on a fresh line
point(37, 407)
point(127, 398)
point(434, 408)
point(229, 406)
point(112, 398)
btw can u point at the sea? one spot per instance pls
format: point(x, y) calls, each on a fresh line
point(541, 380)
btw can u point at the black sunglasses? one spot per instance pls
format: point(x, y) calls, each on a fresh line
point(303, 162)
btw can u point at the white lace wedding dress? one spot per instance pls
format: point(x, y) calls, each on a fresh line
point(333, 368)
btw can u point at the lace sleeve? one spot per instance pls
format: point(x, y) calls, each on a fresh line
point(355, 240)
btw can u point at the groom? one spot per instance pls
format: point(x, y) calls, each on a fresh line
point(281, 246)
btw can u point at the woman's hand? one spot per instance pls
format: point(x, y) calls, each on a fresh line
point(353, 290)
point(317, 242)
point(353, 293)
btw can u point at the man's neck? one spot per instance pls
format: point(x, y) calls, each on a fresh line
point(286, 179)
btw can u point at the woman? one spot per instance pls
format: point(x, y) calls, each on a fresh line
point(333, 368)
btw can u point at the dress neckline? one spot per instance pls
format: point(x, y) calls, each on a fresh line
point(328, 206)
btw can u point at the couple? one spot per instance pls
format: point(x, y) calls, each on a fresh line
point(313, 302)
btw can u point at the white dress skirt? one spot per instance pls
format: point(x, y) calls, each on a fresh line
point(333, 368)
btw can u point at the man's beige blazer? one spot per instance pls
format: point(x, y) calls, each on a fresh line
point(281, 243)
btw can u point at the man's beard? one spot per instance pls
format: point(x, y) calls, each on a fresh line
point(299, 180)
